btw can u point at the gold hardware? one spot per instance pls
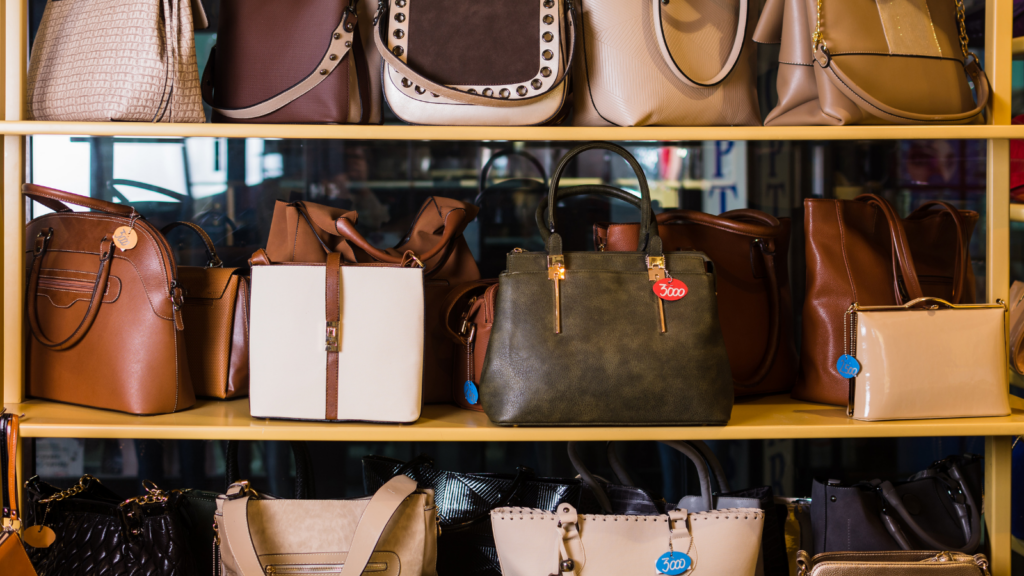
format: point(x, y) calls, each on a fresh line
point(519, 251)
point(331, 344)
point(153, 495)
point(818, 39)
point(556, 272)
point(656, 271)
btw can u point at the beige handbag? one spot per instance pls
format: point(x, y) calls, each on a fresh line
point(899, 563)
point(533, 542)
point(125, 60)
point(667, 63)
point(908, 362)
point(900, 62)
point(392, 533)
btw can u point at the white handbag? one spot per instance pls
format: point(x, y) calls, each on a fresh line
point(339, 343)
point(666, 63)
point(501, 63)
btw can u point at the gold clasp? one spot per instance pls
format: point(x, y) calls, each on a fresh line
point(556, 272)
point(331, 344)
point(656, 271)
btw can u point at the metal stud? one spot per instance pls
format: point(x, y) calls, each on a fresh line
point(488, 92)
point(568, 565)
point(545, 71)
point(332, 57)
point(400, 17)
point(435, 95)
point(398, 33)
point(337, 35)
point(400, 3)
point(323, 71)
point(549, 3)
point(471, 91)
point(406, 82)
point(521, 90)
point(505, 93)
point(547, 54)
point(548, 36)
point(536, 83)
point(420, 90)
point(349, 26)
point(665, 2)
point(398, 50)
point(548, 18)
point(348, 43)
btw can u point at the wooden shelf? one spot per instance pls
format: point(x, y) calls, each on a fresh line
point(767, 417)
point(516, 133)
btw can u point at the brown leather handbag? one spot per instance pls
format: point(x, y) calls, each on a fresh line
point(13, 559)
point(290, 61)
point(106, 322)
point(750, 252)
point(900, 62)
point(468, 318)
point(307, 232)
point(216, 313)
point(862, 251)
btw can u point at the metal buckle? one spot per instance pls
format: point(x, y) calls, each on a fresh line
point(331, 344)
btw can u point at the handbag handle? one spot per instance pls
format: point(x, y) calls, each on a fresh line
point(451, 228)
point(541, 216)
point(963, 260)
point(730, 62)
point(465, 96)
point(212, 260)
point(486, 170)
point(902, 260)
point(305, 487)
point(338, 46)
point(972, 528)
point(106, 255)
point(371, 526)
point(710, 461)
point(9, 429)
point(56, 200)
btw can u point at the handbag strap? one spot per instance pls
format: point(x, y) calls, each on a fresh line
point(963, 259)
point(730, 62)
point(971, 528)
point(9, 426)
point(342, 38)
point(481, 185)
point(375, 518)
point(212, 260)
point(465, 96)
point(57, 201)
point(902, 260)
point(453, 225)
point(542, 218)
point(304, 477)
point(453, 298)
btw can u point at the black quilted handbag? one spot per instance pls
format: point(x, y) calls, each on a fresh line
point(99, 533)
point(464, 503)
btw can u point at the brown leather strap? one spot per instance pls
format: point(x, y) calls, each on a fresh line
point(333, 300)
point(452, 227)
point(963, 258)
point(453, 297)
point(212, 260)
point(98, 288)
point(11, 474)
point(56, 199)
point(902, 258)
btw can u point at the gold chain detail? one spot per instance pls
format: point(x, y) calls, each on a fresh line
point(818, 39)
point(963, 28)
point(75, 490)
point(153, 495)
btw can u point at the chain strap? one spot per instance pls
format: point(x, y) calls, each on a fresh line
point(75, 490)
point(818, 38)
point(153, 495)
point(850, 330)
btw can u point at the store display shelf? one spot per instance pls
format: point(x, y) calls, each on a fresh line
point(766, 417)
point(513, 133)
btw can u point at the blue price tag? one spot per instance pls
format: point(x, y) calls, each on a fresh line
point(472, 394)
point(673, 563)
point(847, 366)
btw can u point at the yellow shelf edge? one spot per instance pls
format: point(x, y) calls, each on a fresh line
point(768, 417)
point(512, 133)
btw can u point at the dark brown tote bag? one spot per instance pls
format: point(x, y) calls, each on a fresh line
point(862, 251)
point(307, 232)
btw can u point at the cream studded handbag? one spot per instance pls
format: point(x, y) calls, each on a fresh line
point(125, 60)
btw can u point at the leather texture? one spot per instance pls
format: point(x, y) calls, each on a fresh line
point(13, 559)
point(915, 358)
point(99, 534)
point(550, 340)
point(469, 317)
point(750, 251)
point(307, 232)
point(380, 343)
point(655, 63)
point(532, 541)
point(393, 532)
point(12, 555)
point(288, 62)
point(861, 251)
point(216, 315)
point(464, 501)
point(459, 62)
point(123, 60)
point(902, 563)
point(1017, 327)
point(866, 71)
point(117, 344)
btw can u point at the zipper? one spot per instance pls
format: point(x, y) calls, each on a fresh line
point(274, 569)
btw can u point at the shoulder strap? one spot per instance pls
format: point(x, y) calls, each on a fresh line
point(658, 12)
point(902, 259)
point(212, 260)
point(57, 201)
point(10, 478)
point(340, 45)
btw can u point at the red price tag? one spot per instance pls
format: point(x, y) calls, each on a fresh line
point(670, 289)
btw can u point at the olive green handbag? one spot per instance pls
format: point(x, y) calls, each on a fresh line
point(581, 338)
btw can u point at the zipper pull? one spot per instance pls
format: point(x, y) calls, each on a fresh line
point(556, 272)
point(656, 271)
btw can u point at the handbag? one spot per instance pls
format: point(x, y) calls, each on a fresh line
point(87, 296)
point(656, 63)
point(464, 501)
point(393, 531)
point(308, 232)
point(336, 342)
point(901, 563)
point(501, 63)
point(468, 319)
point(905, 63)
point(1017, 327)
point(12, 552)
point(906, 361)
point(122, 60)
point(934, 509)
point(322, 77)
point(216, 315)
point(797, 528)
point(97, 532)
point(861, 251)
point(750, 250)
point(576, 325)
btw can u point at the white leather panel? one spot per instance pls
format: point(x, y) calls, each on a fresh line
point(931, 364)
